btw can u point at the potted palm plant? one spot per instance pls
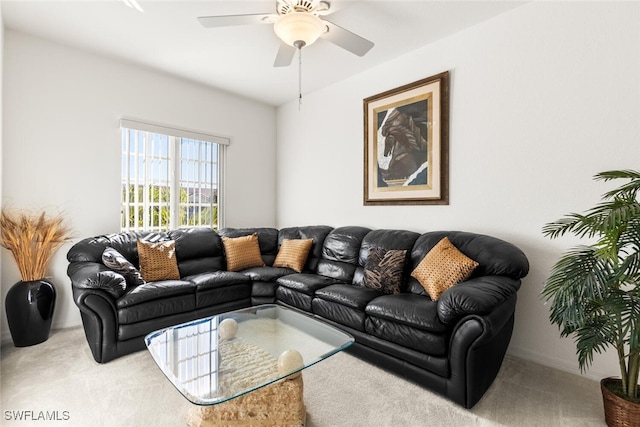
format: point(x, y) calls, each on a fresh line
point(593, 290)
point(32, 240)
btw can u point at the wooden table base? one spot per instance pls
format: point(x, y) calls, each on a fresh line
point(278, 404)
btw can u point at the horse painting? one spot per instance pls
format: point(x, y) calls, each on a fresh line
point(402, 158)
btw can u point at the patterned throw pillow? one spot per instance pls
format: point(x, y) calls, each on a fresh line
point(383, 270)
point(118, 263)
point(443, 267)
point(293, 254)
point(158, 260)
point(242, 252)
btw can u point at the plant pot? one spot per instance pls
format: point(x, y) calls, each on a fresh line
point(29, 306)
point(618, 412)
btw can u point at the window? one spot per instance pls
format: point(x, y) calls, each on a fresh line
point(171, 178)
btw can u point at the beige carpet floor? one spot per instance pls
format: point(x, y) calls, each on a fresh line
point(59, 377)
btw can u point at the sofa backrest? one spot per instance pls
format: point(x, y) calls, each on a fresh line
point(341, 251)
point(198, 250)
point(384, 239)
point(316, 232)
point(91, 249)
point(494, 256)
point(267, 239)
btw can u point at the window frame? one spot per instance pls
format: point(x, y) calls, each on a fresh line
point(174, 159)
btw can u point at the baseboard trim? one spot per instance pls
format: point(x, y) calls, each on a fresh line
point(556, 363)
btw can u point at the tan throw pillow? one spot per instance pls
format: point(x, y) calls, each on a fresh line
point(443, 267)
point(242, 252)
point(293, 254)
point(158, 260)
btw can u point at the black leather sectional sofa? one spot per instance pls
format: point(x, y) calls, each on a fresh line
point(453, 346)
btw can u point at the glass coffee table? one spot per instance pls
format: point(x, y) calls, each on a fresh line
point(243, 367)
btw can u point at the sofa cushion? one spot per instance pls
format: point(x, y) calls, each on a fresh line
point(196, 242)
point(265, 290)
point(384, 270)
point(348, 295)
point(340, 252)
point(410, 321)
point(343, 244)
point(344, 304)
point(242, 252)
point(293, 254)
point(305, 283)
point(436, 364)
point(298, 289)
point(266, 274)
point(198, 249)
point(344, 315)
point(293, 298)
point(406, 336)
point(191, 267)
point(412, 310)
point(156, 299)
point(220, 287)
point(118, 263)
point(443, 267)
point(158, 260)
point(152, 291)
point(217, 279)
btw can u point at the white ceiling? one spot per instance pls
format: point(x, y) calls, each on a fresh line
point(168, 37)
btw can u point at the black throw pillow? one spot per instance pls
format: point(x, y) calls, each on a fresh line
point(383, 270)
point(118, 263)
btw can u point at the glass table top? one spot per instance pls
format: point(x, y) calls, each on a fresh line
point(221, 357)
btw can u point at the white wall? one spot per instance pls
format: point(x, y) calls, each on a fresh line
point(542, 98)
point(62, 142)
point(2, 318)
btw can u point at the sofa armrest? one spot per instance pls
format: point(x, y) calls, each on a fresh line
point(479, 296)
point(93, 287)
point(96, 276)
point(477, 347)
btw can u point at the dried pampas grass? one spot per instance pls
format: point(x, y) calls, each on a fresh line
point(32, 240)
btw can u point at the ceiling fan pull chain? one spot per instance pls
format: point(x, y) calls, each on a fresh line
point(299, 78)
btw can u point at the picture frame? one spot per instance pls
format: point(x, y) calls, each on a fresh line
point(406, 144)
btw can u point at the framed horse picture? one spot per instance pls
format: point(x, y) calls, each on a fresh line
point(406, 144)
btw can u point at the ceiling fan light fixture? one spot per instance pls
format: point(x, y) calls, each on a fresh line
point(299, 27)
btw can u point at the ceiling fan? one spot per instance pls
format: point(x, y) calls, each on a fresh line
point(297, 23)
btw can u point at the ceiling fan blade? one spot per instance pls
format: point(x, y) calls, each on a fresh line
point(284, 56)
point(234, 20)
point(346, 39)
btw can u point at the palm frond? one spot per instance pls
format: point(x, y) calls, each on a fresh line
point(592, 337)
point(578, 278)
point(619, 207)
point(594, 290)
point(629, 189)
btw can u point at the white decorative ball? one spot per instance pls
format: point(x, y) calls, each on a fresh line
point(289, 361)
point(227, 329)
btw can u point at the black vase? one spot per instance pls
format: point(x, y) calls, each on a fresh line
point(29, 307)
